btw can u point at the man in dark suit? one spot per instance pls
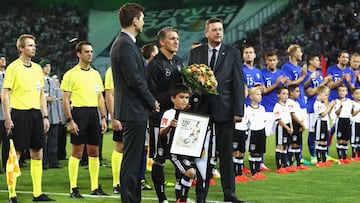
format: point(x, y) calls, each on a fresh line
point(226, 108)
point(133, 99)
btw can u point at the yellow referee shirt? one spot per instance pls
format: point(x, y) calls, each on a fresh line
point(84, 85)
point(25, 84)
point(109, 82)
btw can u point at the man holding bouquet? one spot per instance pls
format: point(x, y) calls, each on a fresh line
point(226, 108)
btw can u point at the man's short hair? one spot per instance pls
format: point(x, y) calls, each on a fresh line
point(161, 35)
point(128, 12)
point(20, 43)
point(79, 45)
point(179, 88)
point(212, 20)
point(147, 50)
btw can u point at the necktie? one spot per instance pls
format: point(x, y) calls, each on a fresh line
point(212, 60)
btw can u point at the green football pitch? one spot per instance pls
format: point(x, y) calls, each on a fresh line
point(337, 183)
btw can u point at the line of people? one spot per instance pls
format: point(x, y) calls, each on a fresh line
point(138, 92)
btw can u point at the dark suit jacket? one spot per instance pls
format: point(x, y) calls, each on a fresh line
point(132, 97)
point(229, 74)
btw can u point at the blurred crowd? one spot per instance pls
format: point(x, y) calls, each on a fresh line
point(53, 28)
point(321, 27)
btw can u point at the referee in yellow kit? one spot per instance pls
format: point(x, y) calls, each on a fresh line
point(82, 85)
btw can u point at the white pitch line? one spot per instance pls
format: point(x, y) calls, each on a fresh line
point(95, 196)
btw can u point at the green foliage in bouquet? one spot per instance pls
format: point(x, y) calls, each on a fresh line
point(201, 77)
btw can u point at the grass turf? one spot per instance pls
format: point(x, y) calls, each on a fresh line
point(338, 183)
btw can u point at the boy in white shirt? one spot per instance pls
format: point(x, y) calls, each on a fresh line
point(298, 126)
point(257, 136)
point(355, 125)
point(321, 115)
point(283, 129)
point(343, 110)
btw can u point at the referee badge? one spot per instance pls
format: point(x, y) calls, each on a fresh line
point(96, 88)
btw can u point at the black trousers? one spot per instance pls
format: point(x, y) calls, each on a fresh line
point(224, 134)
point(5, 144)
point(133, 141)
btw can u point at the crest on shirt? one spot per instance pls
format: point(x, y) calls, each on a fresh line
point(252, 147)
point(160, 151)
point(187, 162)
point(164, 121)
point(167, 72)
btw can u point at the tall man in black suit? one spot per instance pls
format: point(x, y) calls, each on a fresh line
point(226, 108)
point(133, 99)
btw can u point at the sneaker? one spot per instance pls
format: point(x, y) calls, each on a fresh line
point(98, 191)
point(216, 173)
point(320, 164)
point(341, 161)
point(303, 167)
point(331, 159)
point(145, 185)
point(347, 161)
point(42, 198)
point(290, 168)
point(263, 167)
point(313, 160)
point(281, 170)
point(165, 201)
point(246, 171)
point(258, 176)
point(306, 162)
point(169, 184)
point(178, 201)
point(242, 178)
point(75, 193)
point(194, 182)
point(13, 200)
point(212, 181)
point(116, 189)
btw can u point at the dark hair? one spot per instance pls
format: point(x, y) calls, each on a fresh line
point(147, 50)
point(343, 52)
point(292, 87)
point(79, 45)
point(278, 90)
point(311, 57)
point(270, 53)
point(248, 46)
point(179, 88)
point(128, 12)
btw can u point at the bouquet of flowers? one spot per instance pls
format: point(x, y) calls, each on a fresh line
point(201, 77)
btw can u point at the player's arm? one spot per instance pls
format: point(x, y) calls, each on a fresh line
point(165, 130)
point(5, 101)
point(67, 110)
point(44, 111)
point(101, 107)
point(282, 124)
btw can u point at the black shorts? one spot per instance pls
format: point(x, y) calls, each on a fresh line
point(118, 136)
point(153, 139)
point(321, 130)
point(28, 131)
point(257, 141)
point(343, 129)
point(182, 163)
point(162, 149)
point(87, 119)
point(282, 136)
point(239, 139)
point(296, 137)
point(355, 133)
